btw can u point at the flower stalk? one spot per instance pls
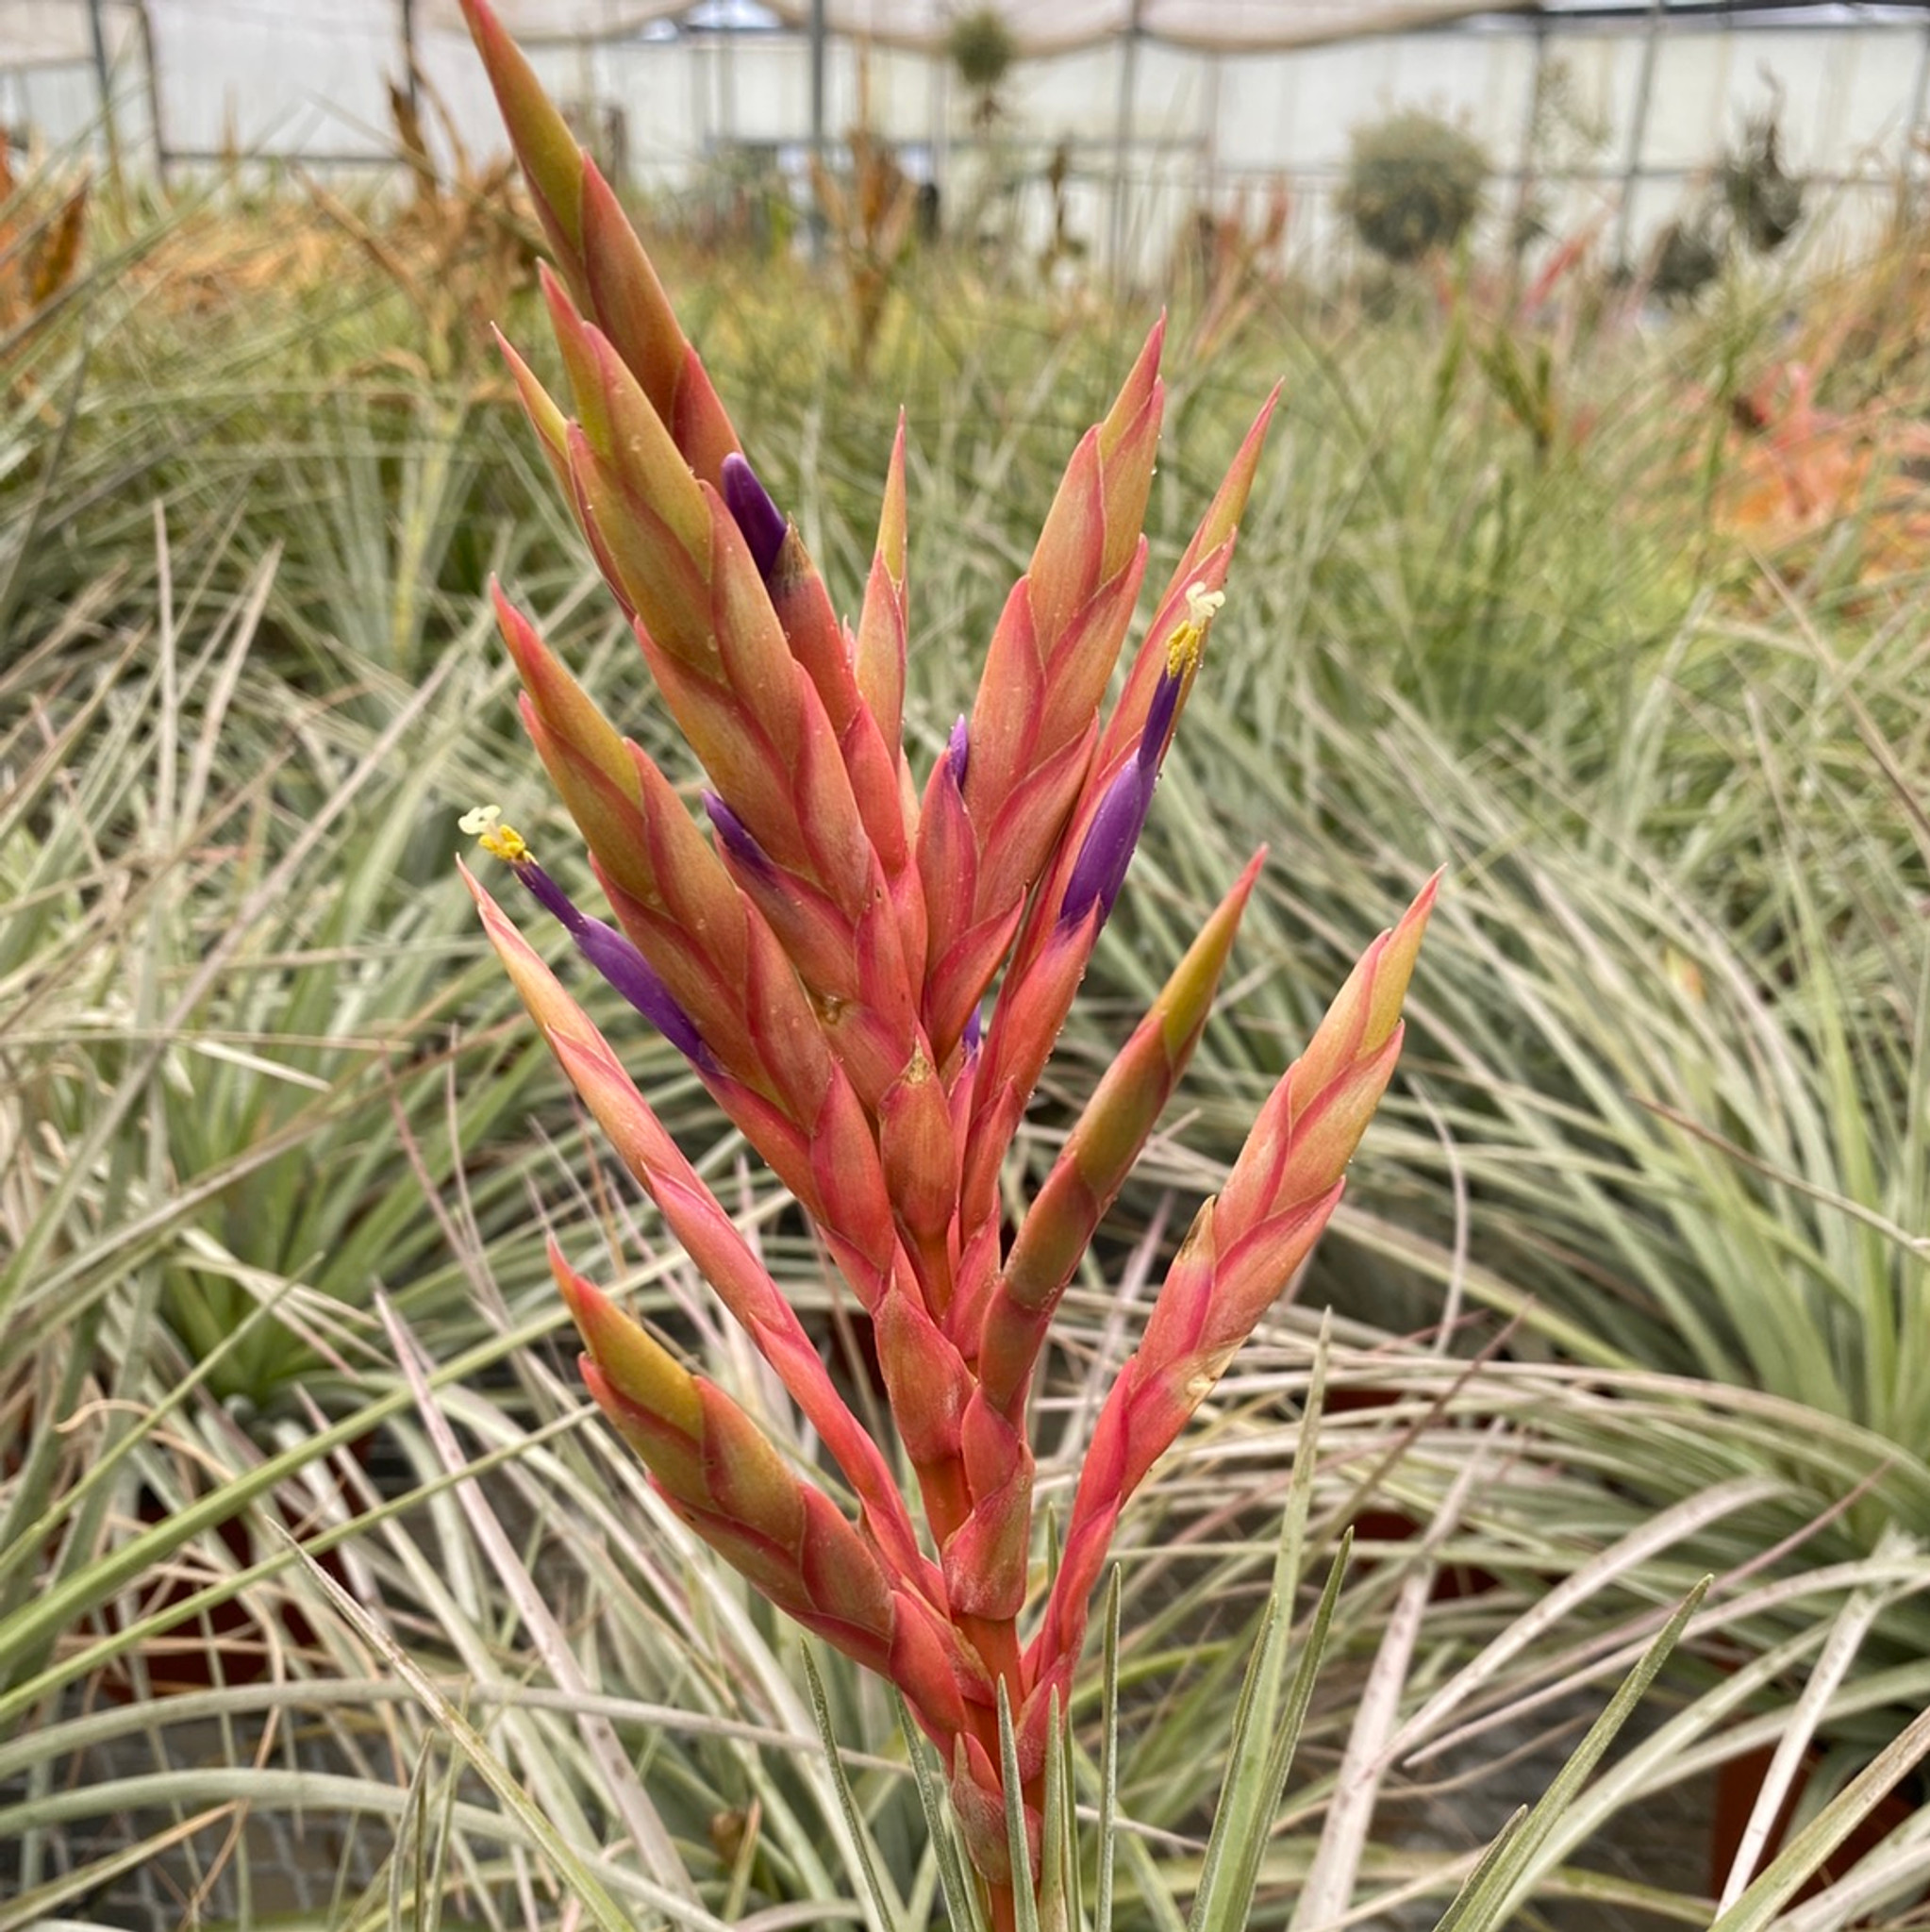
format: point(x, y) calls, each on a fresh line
point(819, 946)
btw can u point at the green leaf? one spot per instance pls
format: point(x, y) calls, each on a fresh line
point(1108, 1751)
point(1494, 1892)
point(960, 1894)
point(1264, 1733)
point(590, 1893)
point(1018, 1844)
point(886, 1914)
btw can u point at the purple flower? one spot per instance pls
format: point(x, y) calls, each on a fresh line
point(620, 963)
point(1159, 716)
point(1100, 870)
point(633, 976)
point(737, 839)
point(763, 525)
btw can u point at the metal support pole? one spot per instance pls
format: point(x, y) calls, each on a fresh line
point(708, 90)
point(156, 126)
point(939, 109)
point(1531, 115)
point(818, 80)
point(1209, 133)
point(1637, 131)
point(589, 132)
point(104, 81)
point(817, 224)
point(1919, 99)
point(1129, 75)
point(410, 86)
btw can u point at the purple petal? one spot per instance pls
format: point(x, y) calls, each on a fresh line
point(637, 980)
point(763, 525)
point(974, 1036)
point(1159, 724)
point(548, 894)
point(1100, 869)
point(958, 753)
point(736, 838)
point(619, 962)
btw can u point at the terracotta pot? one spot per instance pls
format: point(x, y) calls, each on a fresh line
point(1451, 1581)
point(227, 1644)
point(1736, 1785)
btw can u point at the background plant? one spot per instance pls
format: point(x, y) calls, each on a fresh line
point(983, 48)
point(1414, 184)
point(1765, 201)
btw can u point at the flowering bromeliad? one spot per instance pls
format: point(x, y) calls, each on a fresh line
point(821, 957)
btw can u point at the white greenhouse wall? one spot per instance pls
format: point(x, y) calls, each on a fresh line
point(259, 76)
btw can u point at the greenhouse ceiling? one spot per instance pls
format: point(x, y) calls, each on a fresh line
point(1038, 28)
point(1041, 29)
point(41, 32)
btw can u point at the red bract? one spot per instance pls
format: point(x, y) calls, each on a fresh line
point(821, 957)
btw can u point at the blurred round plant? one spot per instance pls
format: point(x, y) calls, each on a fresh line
point(1414, 184)
point(982, 46)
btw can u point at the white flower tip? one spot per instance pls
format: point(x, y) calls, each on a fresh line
point(1201, 603)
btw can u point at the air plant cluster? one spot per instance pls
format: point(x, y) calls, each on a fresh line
point(868, 977)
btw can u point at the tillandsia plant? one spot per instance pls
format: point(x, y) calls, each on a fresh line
point(821, 954)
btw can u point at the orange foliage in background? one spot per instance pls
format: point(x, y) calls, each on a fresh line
point(457, 247)
point(868, 217)
point(1799, 470)
point(41, 235)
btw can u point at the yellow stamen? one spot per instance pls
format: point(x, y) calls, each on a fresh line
point(1183, 647)
point(505, 842)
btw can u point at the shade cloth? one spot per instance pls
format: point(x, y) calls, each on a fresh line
point(1039, 26)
